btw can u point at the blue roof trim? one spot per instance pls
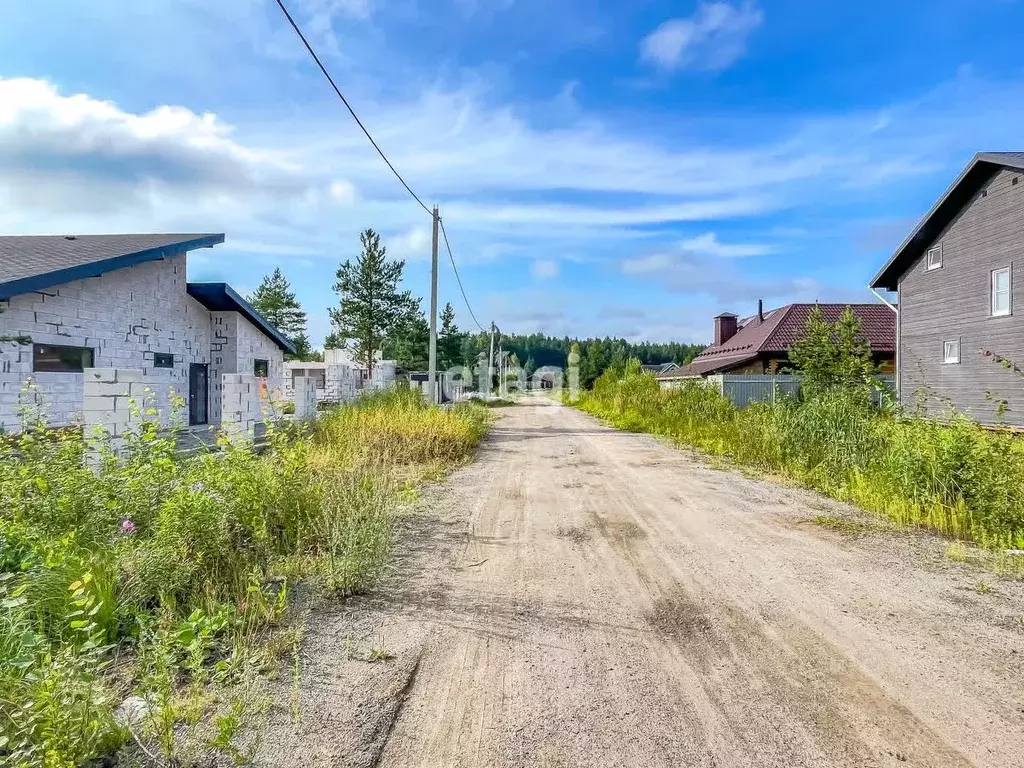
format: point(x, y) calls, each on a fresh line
point(97, 268)
point(221, 297)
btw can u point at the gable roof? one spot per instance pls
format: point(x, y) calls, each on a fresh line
point(37, 262)
point(780, 329)
point(221, 297)
point(659, 367)
point(979, 171)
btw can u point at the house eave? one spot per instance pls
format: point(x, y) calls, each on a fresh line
point(46, 280)
point(982, 167)
point(221, 297)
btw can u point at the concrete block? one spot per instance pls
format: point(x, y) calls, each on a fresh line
point(142, 390)
point(93, 417)
point(106, 389)
point(95, 375)
point(98, 402)
point(128, 374)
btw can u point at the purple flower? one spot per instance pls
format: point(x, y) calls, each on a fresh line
point(198, 488)
point(127, 527)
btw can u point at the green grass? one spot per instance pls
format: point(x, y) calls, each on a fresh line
point(954, 477)
point(983, 588)
point(171, 566)
point(844, 525)
point(957, 552)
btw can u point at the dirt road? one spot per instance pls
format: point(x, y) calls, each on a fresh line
point(586, 597)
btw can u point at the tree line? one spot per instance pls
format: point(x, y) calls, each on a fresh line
point(373, 316)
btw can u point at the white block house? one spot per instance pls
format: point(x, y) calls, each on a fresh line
point(122, 302)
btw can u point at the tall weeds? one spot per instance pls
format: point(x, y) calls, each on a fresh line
point(173, 562)
point(954, 477)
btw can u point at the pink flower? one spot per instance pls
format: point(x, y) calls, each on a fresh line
point(127, 527)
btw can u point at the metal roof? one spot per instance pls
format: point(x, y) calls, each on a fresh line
point(221, 297)
point(781, 328)
point(37, 262)
point(979, 171)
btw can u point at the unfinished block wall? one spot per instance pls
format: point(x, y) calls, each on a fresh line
point(113, 400)
point(124, 316)
point(241, 404)
point(305, 397)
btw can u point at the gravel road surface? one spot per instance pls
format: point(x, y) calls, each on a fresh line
point(585, 597)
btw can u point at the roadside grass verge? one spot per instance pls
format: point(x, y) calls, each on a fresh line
point(955, 478)
point(149, 573)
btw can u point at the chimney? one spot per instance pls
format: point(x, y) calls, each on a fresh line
point(760, 311)
point(725, 327)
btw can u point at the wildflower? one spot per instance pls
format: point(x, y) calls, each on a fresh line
point(198, 488)
point(127, 527)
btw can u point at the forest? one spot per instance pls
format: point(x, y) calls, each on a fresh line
point(375, 315)
point(537, 350)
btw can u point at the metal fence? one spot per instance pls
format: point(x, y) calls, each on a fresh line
point(746, 389)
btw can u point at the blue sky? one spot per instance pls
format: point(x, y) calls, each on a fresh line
point(602, 167)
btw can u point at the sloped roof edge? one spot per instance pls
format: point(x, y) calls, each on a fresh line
point(89, 266)
point(982, 167)
point(221, 297)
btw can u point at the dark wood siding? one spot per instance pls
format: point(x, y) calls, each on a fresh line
point(954, 302)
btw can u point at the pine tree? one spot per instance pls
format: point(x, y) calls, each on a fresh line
point(275, 300)
point(333, 340)
point(370, 305)
point(830, 357)
point(303, 347)
point(409, 343)
point(449, 340)
point(596, 357)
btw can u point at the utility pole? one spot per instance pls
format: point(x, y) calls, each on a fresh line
point(432, 354)
point(501, 370)
point(490, 362)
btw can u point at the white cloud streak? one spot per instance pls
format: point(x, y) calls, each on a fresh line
point(544, 269)
point(583, 191)
point(713, 38)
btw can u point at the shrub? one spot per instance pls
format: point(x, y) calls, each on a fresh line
point(158, 553)
point(953, 476)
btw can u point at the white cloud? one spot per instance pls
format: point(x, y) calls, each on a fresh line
point(692, 273)
point(343, 192)
point(544, 269)
point(301, 186)
point(411, 245)
point(708, 244)
point(76, 162)
point(317, 18)
point(712, 38)
point(651, 264)
point(81, 156)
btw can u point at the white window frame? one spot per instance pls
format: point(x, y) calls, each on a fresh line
point(929, 263)
point(948, 359)
point(992, 292)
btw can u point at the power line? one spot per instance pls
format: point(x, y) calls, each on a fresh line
point(348, 106)
point(380, 152)
point(457, 278)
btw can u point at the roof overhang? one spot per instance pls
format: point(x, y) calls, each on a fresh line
point(221, 297)
point(706, 367)
point(46, 280)
point(978, 172)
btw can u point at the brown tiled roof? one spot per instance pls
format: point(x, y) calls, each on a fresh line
point(782, 328)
